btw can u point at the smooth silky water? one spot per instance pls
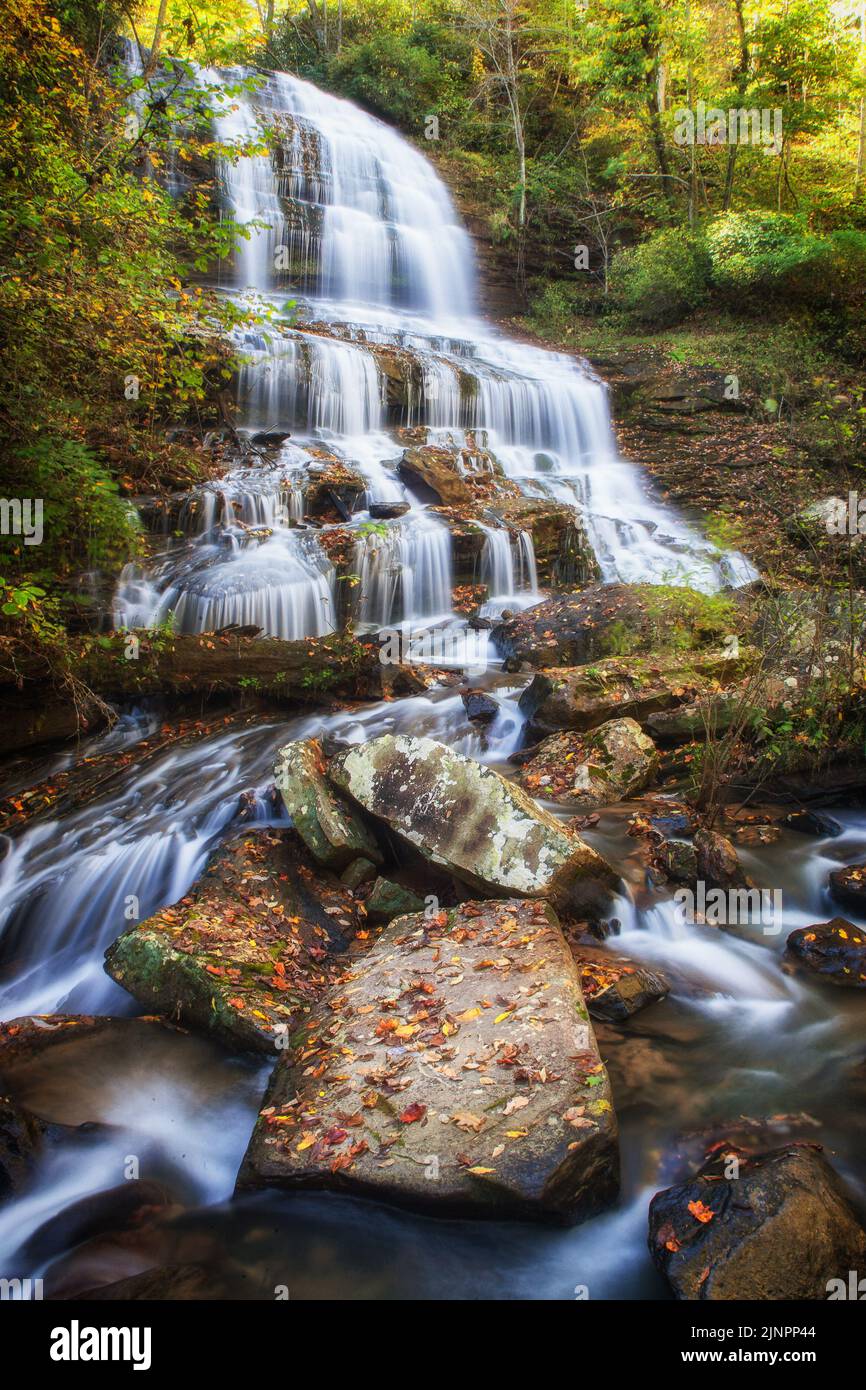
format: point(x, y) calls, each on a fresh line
point(385, 265)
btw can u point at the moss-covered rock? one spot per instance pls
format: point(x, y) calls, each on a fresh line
point(388, 900)
point(613, 762)
point(453, 1069)
point(245, 954)
point(331, 828)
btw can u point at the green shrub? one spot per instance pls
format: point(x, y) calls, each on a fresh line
point(663, 279)
point(85, 521)
point(396, 77)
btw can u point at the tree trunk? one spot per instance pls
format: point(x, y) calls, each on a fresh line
point(741, 75)
point(150, 68)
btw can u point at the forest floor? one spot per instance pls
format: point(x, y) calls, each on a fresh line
point(788, 438)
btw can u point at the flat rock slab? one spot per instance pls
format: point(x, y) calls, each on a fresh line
point(473, 822)
point(453, 1069)
point(245, 954)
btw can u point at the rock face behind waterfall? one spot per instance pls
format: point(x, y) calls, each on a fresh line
point(468, 819)
point(453, 1068)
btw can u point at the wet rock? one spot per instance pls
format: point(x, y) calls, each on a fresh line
point(479, 707)
point(436, 474)
point(358, 872)
point(333, 488)
point(678, 859)
point(388, 900)
point(583, 697)
point(270, 439)
point(613, 762)
point(116, 1209)
point(468, 819)
point(562, 550)
point(848, 887)
point(332, 829)
point(812, 823)
point(782, 1229)
point(615, 988)
point(388, 511)
point(243, 956)
point(434, 1085)
point(718, 863)
point(20, 1140)
point(836, 951)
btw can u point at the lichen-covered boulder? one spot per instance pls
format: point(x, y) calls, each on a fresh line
point(246, 952)
point(777, 1225)
point(452, 1069)
point(331, 828)
point(835, 951)
point(472, 821)
point(613, 762)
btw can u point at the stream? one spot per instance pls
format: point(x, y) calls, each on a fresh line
point(379, 263)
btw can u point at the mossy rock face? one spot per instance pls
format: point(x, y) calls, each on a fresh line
point(636, 687)
point(471, 821)
point(782, 1228)
point(613, 762)
point(246, 953)
point(453, 1069)
point(608, 620)
point(332, 829)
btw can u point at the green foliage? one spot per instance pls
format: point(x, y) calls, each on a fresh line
point(402, 77)
point(664, 278)
point(685, 619)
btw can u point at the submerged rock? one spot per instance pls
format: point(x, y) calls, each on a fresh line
point(782, 1228)
point(617, 760)
point(453, 1069)
point(244, 955)
point(20, 1142)
point(331, 828)
point(836, 951)
point(470, 820)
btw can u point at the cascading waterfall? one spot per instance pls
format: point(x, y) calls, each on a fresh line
point(341, 207)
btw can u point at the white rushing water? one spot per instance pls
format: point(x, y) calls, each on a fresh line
point(340, 209)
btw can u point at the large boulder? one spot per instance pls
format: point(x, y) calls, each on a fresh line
point(835, 951)
point(244, 955)
point(583, 697)
point(470, 820)
point(453, 1069)
point(612, 763)
point(331, 828)
point(778, 1225)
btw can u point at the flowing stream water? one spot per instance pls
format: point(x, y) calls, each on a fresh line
point(359, 220)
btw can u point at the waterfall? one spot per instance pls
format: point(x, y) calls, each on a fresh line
point(342, 210)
